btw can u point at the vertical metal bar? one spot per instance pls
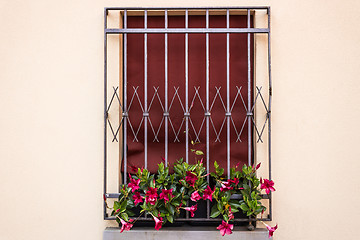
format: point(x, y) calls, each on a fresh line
point(145, 114)
point(125, 99)
point(105, 106)
point(166, 90)
point(249, 114)
point(207, 113)
point(269, 109)
point(228, 93)
point(187, 93)
point(270, 93)
point(187, 86)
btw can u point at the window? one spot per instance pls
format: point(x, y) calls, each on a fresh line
point(188, 75)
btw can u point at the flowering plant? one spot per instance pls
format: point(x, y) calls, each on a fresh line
point(164, 195)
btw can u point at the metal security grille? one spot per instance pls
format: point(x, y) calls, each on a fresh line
point(120, 127)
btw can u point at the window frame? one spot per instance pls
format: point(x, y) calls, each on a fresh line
point(251, 89)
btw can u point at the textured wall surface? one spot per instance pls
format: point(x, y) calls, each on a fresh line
point(51, 104)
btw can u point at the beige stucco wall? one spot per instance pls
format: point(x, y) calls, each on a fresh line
point(51, 80)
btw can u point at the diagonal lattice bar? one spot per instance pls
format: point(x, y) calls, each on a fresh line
point(176, 96)
point(156, 96)
point(116, 132)
point(267, 113)
point(196, 96)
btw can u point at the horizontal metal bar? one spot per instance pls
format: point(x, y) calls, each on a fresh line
point(201, 219)
point(112, 195)
point(184, 30)
point(235, 196)
point(189, 8)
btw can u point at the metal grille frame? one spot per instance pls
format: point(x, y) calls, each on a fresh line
point(253, 131)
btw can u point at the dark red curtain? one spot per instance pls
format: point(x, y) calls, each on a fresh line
point(176, 91)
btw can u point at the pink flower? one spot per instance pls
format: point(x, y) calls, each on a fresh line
point(158, 223)
point(133, 184)
point(151, 195)
point(195, 196)
point(262, 213)
point(225, 186)
point(191, 178)
point(267, 185)
point(235, 181)
point(225, 228)
point(191, 209)
point(137, 198)
point(165, 195)
point(178, 207)
point(125, 225)
point(271, 229)
point(133, 168)
point(231, 215)
point(257, 166)
point(208, 193)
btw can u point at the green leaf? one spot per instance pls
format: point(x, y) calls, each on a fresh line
point(163, 210)
point(152, 184)
point(249, 213)
point(213, 175)
point(116, 205)
point(130, 213)
point(232, 173)
point(234, 210)
point(215, 214)
point(254, 204)
point(161, 168)
point(170, 218)
point(125, 216)
point(198, 152)
point(219, 171)
point(245, 169)
point(227, 195)
point(176, 202)
point(216, 165)
point(155, 212)
point(171, 209)
point(246, 186)
point(234, 204)
point(123, 206)
point(244, 207)
point(177, 170)
point(219, 206)
point(130, 204)
point(253, 195)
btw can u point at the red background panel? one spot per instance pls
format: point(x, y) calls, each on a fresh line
point(176, 80)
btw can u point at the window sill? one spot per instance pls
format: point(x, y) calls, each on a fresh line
point(183, 233)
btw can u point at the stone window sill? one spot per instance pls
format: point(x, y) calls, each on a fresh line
point(183, 233)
